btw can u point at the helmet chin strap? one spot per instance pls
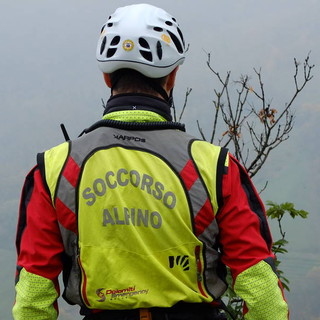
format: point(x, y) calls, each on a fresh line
point(163, 93)
point(171, 102)
point(158, 88)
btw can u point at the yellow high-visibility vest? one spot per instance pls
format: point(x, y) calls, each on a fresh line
point(144, 206)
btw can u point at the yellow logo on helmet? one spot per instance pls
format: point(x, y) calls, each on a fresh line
point(166, 38)
point(128, 45)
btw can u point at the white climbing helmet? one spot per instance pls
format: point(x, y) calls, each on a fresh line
point(141, 37)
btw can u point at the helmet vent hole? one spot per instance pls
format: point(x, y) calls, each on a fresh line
point(103, 45)
point(115, 41)
point(181, 36)
point(176, 42)
point(173, 19)
point(111, 52)
point(169, 23)
point(147, 55)
point(102, 29)
point(110, 24)
point(158, 29)
point(144, 43)
point(159, 50)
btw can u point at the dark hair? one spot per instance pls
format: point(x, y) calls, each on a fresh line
point(128, 80)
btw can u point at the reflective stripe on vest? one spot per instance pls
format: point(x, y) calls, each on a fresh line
point(203, 201)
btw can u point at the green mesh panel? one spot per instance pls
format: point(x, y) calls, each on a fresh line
point(35, 296)
point(134, 116)
point(258, 287)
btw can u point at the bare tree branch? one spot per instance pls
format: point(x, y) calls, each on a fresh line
point(185, 102)
point(253, 131)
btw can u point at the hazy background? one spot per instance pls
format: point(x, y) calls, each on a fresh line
point(48, 75)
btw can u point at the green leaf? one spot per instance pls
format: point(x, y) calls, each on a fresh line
point(280, 242)
point(277, 211)
point(280, 250)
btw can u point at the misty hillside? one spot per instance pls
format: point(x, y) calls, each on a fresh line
point(49, 76)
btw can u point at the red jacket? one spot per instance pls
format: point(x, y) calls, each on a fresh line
point(245, 243)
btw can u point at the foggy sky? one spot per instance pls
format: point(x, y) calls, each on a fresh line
point(48, 75)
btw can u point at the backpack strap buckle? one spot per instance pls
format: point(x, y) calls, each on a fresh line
point(145, 314)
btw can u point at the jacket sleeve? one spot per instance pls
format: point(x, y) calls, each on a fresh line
point(39, 249)
point(246, 244)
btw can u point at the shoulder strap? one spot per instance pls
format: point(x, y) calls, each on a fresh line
point(211, 164)
point(51, 164)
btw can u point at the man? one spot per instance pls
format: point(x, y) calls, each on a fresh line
point(140, 216)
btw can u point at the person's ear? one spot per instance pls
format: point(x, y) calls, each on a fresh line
point(107, 80)
point(171, 80)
